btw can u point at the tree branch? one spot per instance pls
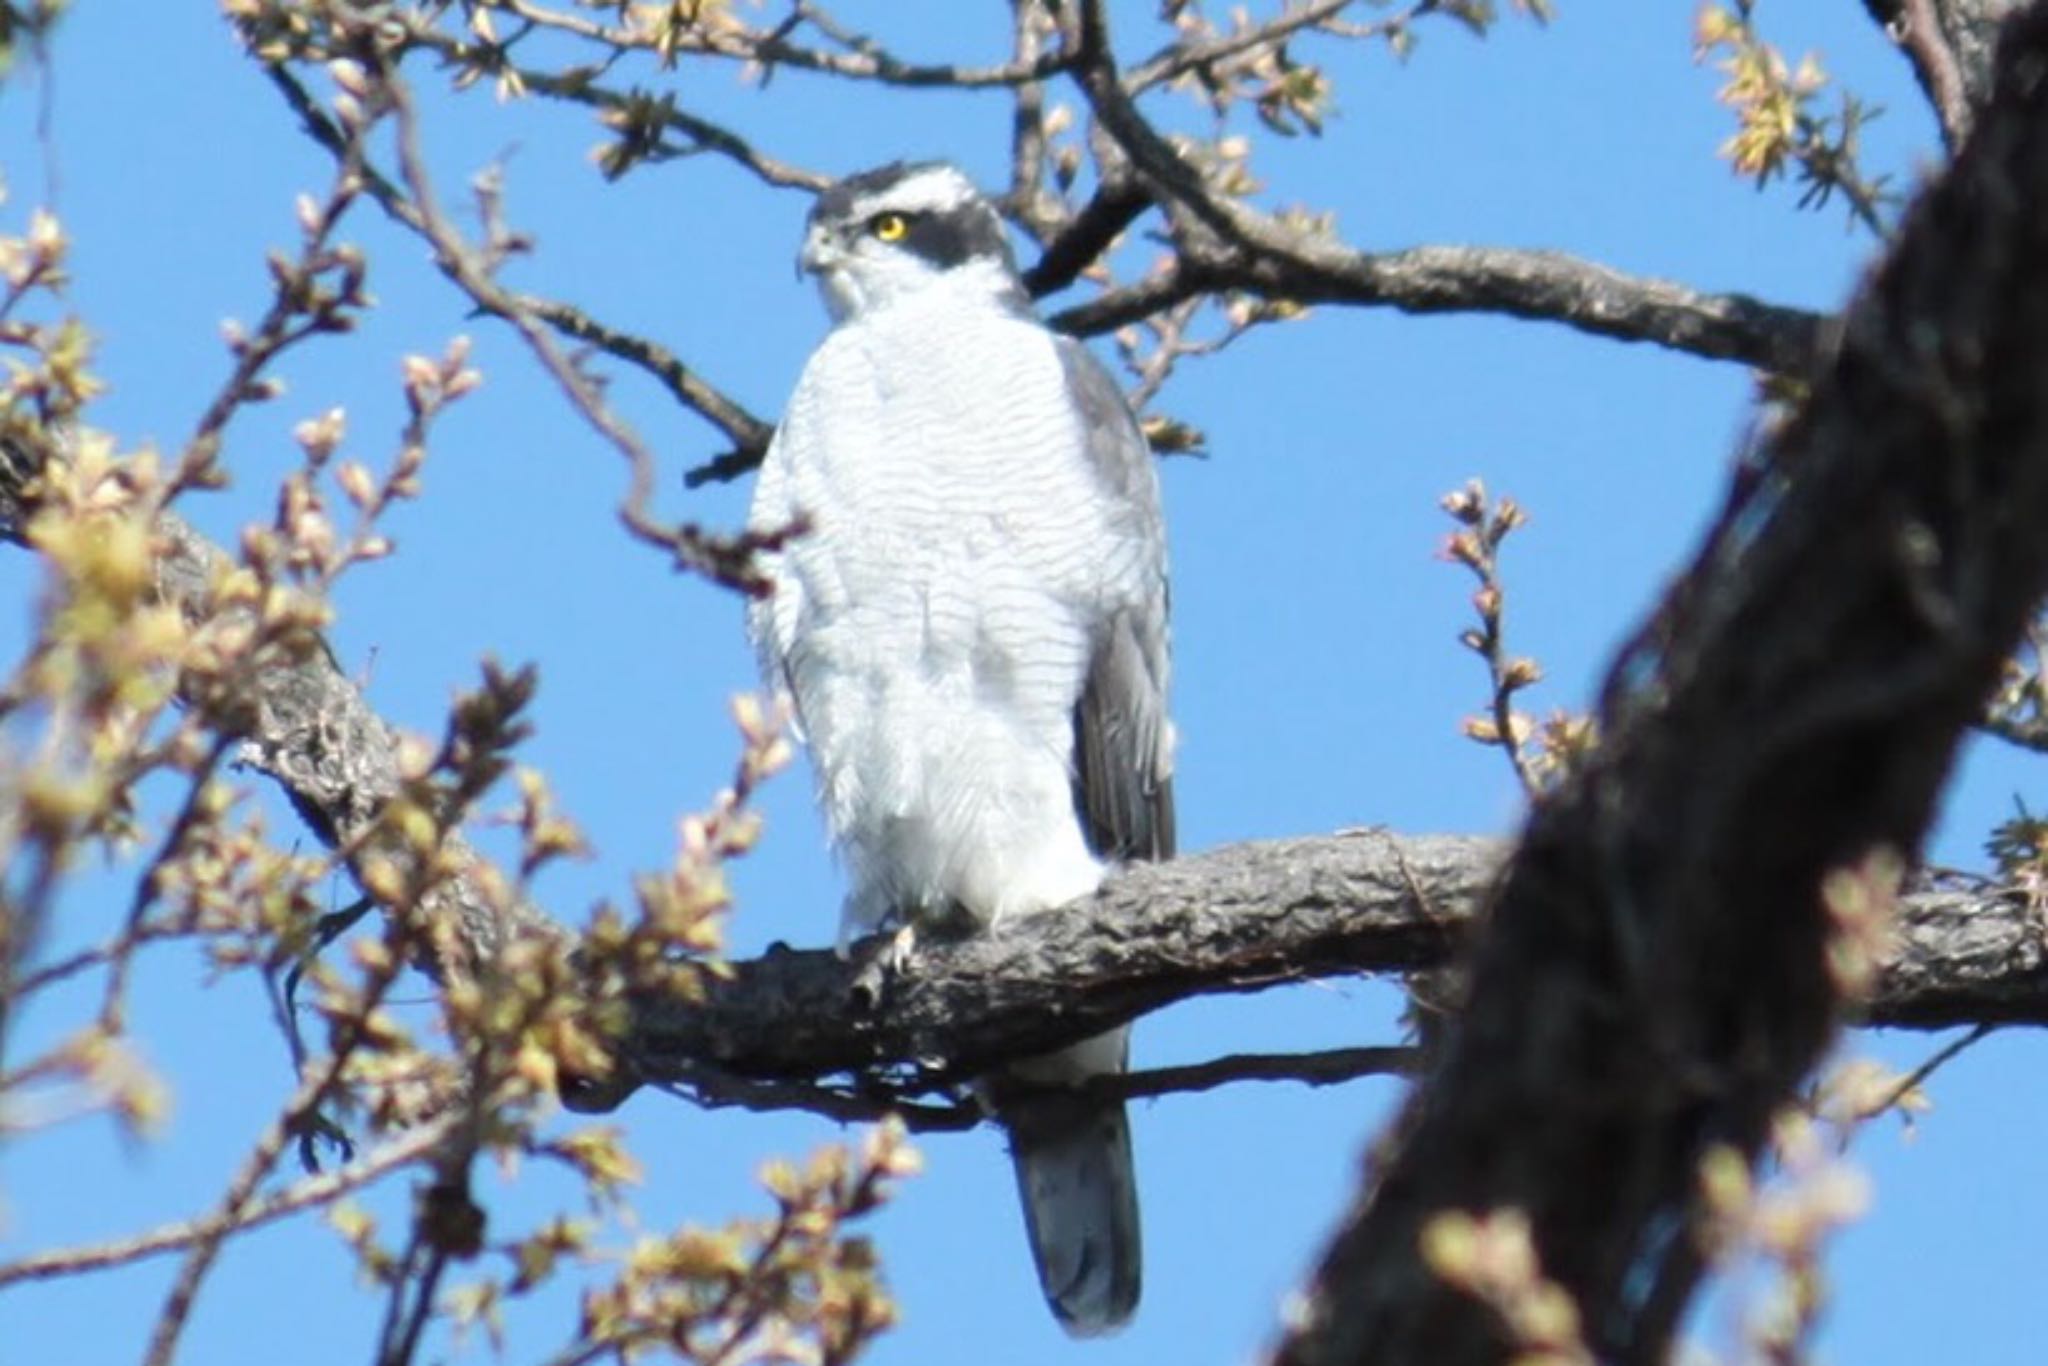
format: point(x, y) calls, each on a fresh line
point(1177, 59)
point(748, 433)
point(306, 1193)
point(1223, 243)
point(310, 729)
point(868, 1100)
point(860, 58)
point(1115, 206)
point(1237, 919)
point(1540, 286)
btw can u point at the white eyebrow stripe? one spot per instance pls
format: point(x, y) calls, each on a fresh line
point(928, 192)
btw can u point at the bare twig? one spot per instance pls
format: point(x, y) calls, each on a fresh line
point(723, 559)
point(212, 1233)
point(1934, 1062)
point(748, 432)
point(1035, 209)
point(1177, 59)
point(631, 112)
point(858, 59)
point(308, 1193)
point(148, 885)
point(302, 305)
point(1485, 525)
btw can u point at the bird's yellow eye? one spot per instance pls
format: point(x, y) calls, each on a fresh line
point(889, 227)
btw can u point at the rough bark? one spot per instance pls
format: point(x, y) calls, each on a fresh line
point(1971, 28)
point(1949, 44)
point(1655, 978)
point(1540, 286)
point(309, 728)
point(1237, 919)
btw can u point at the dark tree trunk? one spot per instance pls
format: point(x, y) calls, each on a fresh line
point(1655, 978)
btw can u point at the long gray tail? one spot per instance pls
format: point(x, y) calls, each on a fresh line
point(1080, 1195)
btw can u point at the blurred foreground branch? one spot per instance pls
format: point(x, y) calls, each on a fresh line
point(309, 728)
point(1686, 923)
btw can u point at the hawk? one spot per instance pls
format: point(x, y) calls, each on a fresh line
point(974, 633)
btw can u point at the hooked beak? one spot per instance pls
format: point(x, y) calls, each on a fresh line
point(819, 253)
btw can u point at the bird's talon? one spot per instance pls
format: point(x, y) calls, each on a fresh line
point(889, 960)
point(902, 948)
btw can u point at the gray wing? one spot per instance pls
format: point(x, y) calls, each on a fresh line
point(1123, 742)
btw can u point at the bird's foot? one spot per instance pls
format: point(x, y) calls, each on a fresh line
point(889, 958)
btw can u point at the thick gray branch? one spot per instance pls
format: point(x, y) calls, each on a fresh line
point(311, 730)
point(1236, 919)
point(1239, 919)
point(1551, 287)
point(305, 724)
point(1540, 286)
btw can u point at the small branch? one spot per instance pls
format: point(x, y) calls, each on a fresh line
point(303, 304)
point(203, 1250)
point(1934, 1062)
point(1178, 59)
point(1484, 527)
point(723, 469)
point(577, 88)
point(1149, 370)
point(1240, 248)
point(726, 560)
point(869, 1101)
point(308, 1193)
point(769, 48)
point(1328, 1068)
point(748, 432)
point(751, 433)
point(1036, 210)
point(1133, 303)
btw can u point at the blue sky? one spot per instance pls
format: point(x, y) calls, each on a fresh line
point(1318, 680)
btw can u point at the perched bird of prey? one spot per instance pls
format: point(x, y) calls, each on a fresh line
point(974, 632)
